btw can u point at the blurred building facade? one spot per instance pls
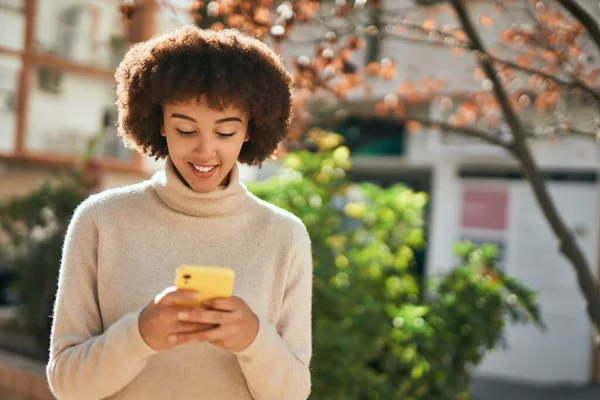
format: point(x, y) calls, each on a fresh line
point(57, 59)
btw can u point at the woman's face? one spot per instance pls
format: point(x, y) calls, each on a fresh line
point(204, 144)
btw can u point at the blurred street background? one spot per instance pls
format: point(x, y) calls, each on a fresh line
point(443, 157)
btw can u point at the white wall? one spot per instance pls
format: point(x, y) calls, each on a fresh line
point(12, 28)
point(62, 122)
point(563, 353)
point(9, 75)
point(47, 28)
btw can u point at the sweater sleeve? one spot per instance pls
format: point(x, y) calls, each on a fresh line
point(276, 364)
point(86, 361)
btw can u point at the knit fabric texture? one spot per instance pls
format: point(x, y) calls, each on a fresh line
point(122, 249)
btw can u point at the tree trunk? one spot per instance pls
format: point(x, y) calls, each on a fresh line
point(520, 150)
point(566, 241)
point(373, 48)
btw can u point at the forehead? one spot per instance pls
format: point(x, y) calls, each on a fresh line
point(203, 106)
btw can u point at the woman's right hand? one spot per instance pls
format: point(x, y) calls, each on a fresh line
point(159, 319)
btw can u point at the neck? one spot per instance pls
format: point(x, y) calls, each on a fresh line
point(174, 191)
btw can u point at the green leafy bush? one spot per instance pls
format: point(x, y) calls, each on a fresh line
point(32, 231)
point(378, 334)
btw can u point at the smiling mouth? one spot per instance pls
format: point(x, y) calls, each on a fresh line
point(205, 171)
point(203, 168)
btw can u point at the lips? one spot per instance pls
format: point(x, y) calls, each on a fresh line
point(203, 168)
point(203, 171)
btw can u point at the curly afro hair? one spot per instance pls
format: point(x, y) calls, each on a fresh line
point(227, 68)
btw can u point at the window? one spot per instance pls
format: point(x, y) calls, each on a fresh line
point(64, 122)
point(89, 33)
point(373, 136)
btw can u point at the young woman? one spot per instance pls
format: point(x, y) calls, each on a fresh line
point(204, 101)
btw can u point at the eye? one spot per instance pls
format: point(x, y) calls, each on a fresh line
point(181, 132)
point(222, 134)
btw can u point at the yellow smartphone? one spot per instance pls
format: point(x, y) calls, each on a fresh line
point(208, 282)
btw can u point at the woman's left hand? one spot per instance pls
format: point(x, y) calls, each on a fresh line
point(236, 324)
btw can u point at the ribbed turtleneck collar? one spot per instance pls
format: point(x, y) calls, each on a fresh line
point(177, 195)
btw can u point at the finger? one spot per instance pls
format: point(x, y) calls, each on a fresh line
point(188, 327)
point(172, 296)
point(209, 335)
point(159, 297)
point(202, 315)
point(224, 304)
point(174, 324)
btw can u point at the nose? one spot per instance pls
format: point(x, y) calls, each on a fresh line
point(205, 148)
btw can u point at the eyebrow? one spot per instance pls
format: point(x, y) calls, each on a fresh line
point(219, 121)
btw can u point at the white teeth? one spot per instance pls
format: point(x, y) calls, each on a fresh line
point(203, 169)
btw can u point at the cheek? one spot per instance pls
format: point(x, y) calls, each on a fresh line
point(171, 144)
point(233, 147)
point(176, 146)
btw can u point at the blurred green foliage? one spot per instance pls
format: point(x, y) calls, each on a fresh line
point(32, 231)
point(379, 334)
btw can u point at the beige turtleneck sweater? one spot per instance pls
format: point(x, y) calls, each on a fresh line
point(122, 248)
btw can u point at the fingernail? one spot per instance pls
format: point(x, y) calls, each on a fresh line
point(183, 315)
point(172, 339)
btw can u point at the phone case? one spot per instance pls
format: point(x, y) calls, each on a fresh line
point(209, 282)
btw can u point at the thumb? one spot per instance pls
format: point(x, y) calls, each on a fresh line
point(171, 296)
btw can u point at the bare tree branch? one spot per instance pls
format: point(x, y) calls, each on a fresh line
point(456, 42)
point(468, 131)
point(533, 71)
point(544, 44)
point(576, 82)
point(486, 63)
point(418, 40)
point(541, 41)
point(440, 32)
point(567, 244)
point(324, 116)
point(582, 15)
